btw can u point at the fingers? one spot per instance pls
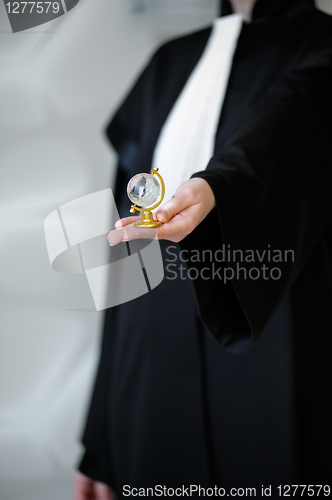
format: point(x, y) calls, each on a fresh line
point(102, 491)
point(115, 237)
point(86, 488)
point(126, 220)
point(175, 230)
point(181, 200)
point(128, 233)
point(167, 212)
point(192, 201)
point(83, 487)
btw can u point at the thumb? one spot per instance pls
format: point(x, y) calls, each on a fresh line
point(172, 207)
point(102, 491)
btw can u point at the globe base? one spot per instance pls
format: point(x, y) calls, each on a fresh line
point(147, 220)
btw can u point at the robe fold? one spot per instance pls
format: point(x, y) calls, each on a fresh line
point(229, 382)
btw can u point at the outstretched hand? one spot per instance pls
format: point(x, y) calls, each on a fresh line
point(192, 202)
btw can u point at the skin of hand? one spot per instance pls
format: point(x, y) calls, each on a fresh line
point(192, 202)
point(88, 489)
point(244, 7)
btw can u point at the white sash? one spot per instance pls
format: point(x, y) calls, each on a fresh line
point(186, 141)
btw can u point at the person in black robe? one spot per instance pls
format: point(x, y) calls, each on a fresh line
point(229, 383)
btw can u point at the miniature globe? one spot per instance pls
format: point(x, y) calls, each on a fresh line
point(144, 190)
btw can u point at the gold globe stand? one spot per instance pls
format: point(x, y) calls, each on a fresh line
point(147, 218)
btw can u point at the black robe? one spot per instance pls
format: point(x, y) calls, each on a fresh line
point(230, 384)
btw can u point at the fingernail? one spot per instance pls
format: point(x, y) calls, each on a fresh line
point(161, 217)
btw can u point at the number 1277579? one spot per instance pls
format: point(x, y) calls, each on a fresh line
point(32, 7)
point(303, 490)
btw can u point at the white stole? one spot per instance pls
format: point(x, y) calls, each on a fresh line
point(186, 141)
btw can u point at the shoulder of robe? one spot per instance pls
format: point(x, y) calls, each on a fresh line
point(178, 49)
point(319, 29)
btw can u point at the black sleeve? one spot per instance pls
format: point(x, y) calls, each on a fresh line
point(272, 183)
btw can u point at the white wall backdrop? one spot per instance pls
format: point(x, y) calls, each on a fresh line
point(59, 83)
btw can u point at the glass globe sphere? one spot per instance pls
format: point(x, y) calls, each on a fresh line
point(144, 190)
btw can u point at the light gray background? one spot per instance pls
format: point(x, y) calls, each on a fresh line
point(59, 84)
